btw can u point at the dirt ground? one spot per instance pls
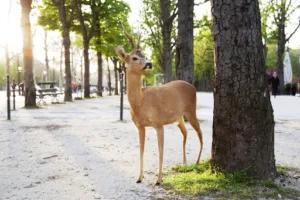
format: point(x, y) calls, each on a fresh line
point(80, 150)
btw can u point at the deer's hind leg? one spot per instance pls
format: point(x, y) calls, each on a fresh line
point(191, 116)
point(184, 134)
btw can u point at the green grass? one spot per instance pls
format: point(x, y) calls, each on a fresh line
point(282, 169)
point(198, 180)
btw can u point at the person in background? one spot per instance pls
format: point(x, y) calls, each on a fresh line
point(275, 84)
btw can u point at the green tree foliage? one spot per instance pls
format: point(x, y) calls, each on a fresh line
point(295, 61)
point(150, 24)
point(203, 50)
point(153, 40)
point(271, 58)
point(48, 17)
point(112, 12)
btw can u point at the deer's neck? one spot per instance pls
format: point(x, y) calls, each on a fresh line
point(134, 89)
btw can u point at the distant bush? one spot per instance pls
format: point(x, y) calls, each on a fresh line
point(294, 88)
point(288, 88)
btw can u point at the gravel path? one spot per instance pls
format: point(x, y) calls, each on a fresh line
point(80, 150)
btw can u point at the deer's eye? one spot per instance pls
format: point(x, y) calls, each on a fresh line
point(134, 58)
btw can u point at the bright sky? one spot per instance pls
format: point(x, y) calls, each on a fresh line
point(11, 30)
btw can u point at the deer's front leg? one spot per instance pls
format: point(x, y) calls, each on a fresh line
point(142, 134)
point(160, 140)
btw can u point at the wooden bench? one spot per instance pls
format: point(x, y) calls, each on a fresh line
point(44, 91)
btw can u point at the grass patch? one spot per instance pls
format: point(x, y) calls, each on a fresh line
point(198, 180)
point(282, 169)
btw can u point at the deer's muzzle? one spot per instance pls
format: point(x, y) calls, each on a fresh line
point(148, 65)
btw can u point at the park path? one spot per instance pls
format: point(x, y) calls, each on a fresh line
point(80, 150)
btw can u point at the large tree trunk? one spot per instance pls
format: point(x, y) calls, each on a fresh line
point(185, 42)
point(243, 122)
point(29, 83)
point(115, 61)
point(166, 28)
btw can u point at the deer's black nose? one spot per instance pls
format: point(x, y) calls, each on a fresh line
point(148, 65)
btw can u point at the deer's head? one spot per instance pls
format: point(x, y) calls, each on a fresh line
point(135, 61)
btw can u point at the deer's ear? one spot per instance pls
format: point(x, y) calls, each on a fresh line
point(121, 52)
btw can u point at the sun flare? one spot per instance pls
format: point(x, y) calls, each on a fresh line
point(11, 32)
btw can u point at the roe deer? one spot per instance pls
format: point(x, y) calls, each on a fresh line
point(159, 105)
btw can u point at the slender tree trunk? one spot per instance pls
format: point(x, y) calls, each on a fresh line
point(29, 83)
point(66, 23)
point(109, 77)
point(73, 73)
point(166, 27)
point(60, 68)
point(280, 52)
point(86, 37)
point(100, 73)
point(99, 57)
point(68, 77)
point(46, 55)
point(125, 77)
point(243, 122)
point(86, 70)
point(185, 42)
point(115, 61)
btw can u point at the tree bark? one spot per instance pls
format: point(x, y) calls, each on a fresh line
point(185, 42)
point(86, 69)
point(99, 58)
point(166, 29)
point(109, 77)
point(60, 4)
point(281, 41)
point(100, 73)
point(68, 77)
point(29, 83)
point(280, 53)
point(243, 122)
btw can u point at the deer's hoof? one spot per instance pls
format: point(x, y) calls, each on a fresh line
point(139, 181)
point(158, 183)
